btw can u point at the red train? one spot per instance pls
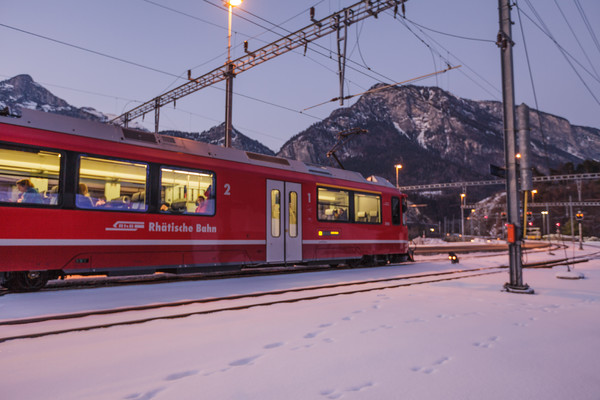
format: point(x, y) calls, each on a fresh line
point(80, 197)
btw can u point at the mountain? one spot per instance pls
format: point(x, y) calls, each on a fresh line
point(436, 136)
point(22, 91)
point(216, 135)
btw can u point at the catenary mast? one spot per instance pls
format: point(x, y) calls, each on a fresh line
point(505, 44)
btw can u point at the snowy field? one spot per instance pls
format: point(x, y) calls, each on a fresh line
point(462, 339)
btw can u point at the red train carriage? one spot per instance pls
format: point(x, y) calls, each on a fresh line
point(78, 197)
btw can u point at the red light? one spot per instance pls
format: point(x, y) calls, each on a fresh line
point(558, 224)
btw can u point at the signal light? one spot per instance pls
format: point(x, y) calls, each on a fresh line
point(529, 216)
point(579, 216)
point(453, 257)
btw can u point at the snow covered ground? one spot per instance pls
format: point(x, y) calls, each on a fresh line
point(462, 339)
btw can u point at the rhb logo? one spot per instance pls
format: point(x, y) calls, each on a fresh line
point(126, 226)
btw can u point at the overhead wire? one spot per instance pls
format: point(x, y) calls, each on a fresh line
point(403, 21)
point(311, 48)
point(564, 52)
point(546, 31)
point(87, 50)
point(256, 36)
point(137, 65)
point(186, 14)
point(587, 24)
point(576, 38)
point(450, 34)
point(387, 86)
point(537, 107)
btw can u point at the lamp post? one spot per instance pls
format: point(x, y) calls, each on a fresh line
point(462, 216)
point(397, 167)
point(230, 76)
point(533, 193)
point(544, 216)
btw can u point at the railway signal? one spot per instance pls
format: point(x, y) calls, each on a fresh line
point(579, 216)
point(453, 257)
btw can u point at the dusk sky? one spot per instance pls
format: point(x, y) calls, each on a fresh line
point(147, 46)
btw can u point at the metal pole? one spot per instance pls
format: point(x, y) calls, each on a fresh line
point(228, 105)
point(579, 198)
point(229, 85)
point(462, 217)
point(571, 218)
point(505, 44)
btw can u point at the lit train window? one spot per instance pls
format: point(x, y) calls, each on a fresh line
point(106, 184)
point(333, 204)
point(187, 191)
point(367, 208)
point(275, 213)
point(293, 215)
point(29, 176)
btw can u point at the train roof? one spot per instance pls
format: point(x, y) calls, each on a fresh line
point(98, 130)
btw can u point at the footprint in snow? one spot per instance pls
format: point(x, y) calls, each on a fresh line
point(244, 361)
point(486, 344)
point(145, 396)
point(273, 345)
point(312, 335)
point(180, 375)
point(430, 369)
point(336, 394)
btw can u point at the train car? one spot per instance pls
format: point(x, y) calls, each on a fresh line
point(81, 197)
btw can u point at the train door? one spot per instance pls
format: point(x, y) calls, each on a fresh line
point(284, 221)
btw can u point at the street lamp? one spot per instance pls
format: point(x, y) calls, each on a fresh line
point(533, 193)
point(544, 216)
point(230, 4)
point(230, 75)
point(397, 167)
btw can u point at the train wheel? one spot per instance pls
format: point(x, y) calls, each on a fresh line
point(27, 281)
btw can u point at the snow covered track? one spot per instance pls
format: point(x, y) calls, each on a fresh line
point(83, 321)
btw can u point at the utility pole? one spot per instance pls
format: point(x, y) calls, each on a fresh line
point(505, 44)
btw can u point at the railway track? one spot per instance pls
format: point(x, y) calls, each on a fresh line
point(85, 321)
point(76, 283)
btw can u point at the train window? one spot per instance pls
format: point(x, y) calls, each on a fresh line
point(275, 213)
point(29, 176)
point(404, 210)
point(111, 184)
point(187, 191)
point(293, 217)
point(367, 208)
point(333, 204)
point(395, 211)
